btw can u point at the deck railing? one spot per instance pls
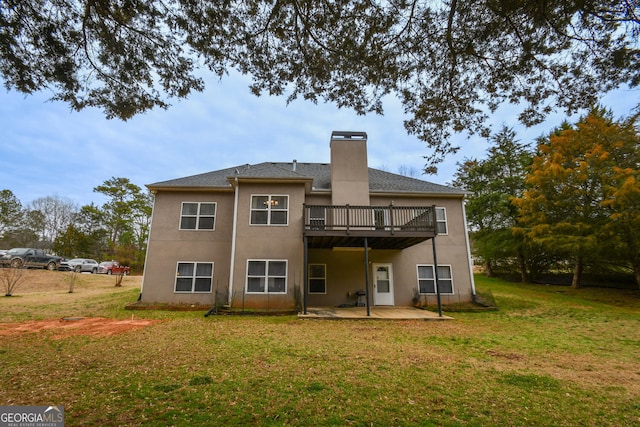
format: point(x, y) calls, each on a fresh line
point(390, 219)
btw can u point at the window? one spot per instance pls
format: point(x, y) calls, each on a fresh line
point(266, 276)
point(381, 218)
point(426, 279)
point(317, 279)
point(269, 210)
point(441, 220)
point(198, 216)
point(317, 217)
point(194, 277)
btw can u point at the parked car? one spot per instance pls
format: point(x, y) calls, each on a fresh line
point(30, 258)
point(112, 267)
point(83, 265)
point(64, 266)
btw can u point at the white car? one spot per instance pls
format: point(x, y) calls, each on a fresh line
point(80, 265)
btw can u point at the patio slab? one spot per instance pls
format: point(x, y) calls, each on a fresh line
point(386, 313)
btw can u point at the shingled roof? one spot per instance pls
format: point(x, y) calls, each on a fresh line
point(320, 173)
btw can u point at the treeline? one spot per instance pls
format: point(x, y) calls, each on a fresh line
point(116, 230)
point(571, 205)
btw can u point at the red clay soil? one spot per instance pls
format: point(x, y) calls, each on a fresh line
point(68, 326)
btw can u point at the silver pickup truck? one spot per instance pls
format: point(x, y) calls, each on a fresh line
point(30, 258)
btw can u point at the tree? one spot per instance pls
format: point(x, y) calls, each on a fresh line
point(126, 218)
point(574, 177)
point(10, 211)
point(126, 203)
point(74, 243)
point(410, 171)
point(25, 230)
point(57, 214)
point(449, 62)
point(494, 182)
point(622, 197)
point(85, 237)
point(141, 219)
point(11, 278)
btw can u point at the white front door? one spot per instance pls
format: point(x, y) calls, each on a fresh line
point(382, 284)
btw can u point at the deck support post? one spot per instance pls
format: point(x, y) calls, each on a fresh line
point(366, 274)
point(305, 278)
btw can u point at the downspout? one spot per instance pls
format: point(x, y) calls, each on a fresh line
point(435, 261)
point(435, 274)
point(146, 255)
point(466, 238)
point(233, 241)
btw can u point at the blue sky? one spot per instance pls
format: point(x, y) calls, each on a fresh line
point(48, 150)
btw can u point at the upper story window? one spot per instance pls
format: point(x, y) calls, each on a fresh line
point(441, 221)
point(269, 210)
point(381, 218)
point(198, 216)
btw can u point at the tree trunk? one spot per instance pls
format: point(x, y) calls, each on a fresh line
point(488, 269)
point(524, 276)
point(636, 270)
point(577, 274)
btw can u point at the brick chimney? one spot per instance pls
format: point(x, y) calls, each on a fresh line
point(349, 169)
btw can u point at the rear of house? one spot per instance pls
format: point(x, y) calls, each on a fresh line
point(280, 235)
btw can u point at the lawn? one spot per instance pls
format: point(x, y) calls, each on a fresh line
point(550, 356)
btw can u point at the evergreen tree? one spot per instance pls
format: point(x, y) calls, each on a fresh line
point(494, 182)
point(10, 211)
point(575, 187)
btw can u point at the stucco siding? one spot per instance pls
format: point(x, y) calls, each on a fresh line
point(268, 242)
point(169, 245)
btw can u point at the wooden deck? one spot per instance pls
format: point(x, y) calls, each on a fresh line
point(385, 227)
point(384, 313)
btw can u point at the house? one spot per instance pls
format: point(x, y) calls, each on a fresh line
point(280, 235)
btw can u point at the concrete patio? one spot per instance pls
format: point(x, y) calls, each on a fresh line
point(384, 313)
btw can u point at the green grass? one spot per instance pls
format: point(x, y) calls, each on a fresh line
point(551, 356)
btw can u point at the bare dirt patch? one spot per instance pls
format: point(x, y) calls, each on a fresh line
point(69, 326)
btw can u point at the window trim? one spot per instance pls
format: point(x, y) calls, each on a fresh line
point(194, 277)
point(266, 277)
point(453, 291)
point(197, 216)
point(324, 278)
point(269, 210)
point(443, 221)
